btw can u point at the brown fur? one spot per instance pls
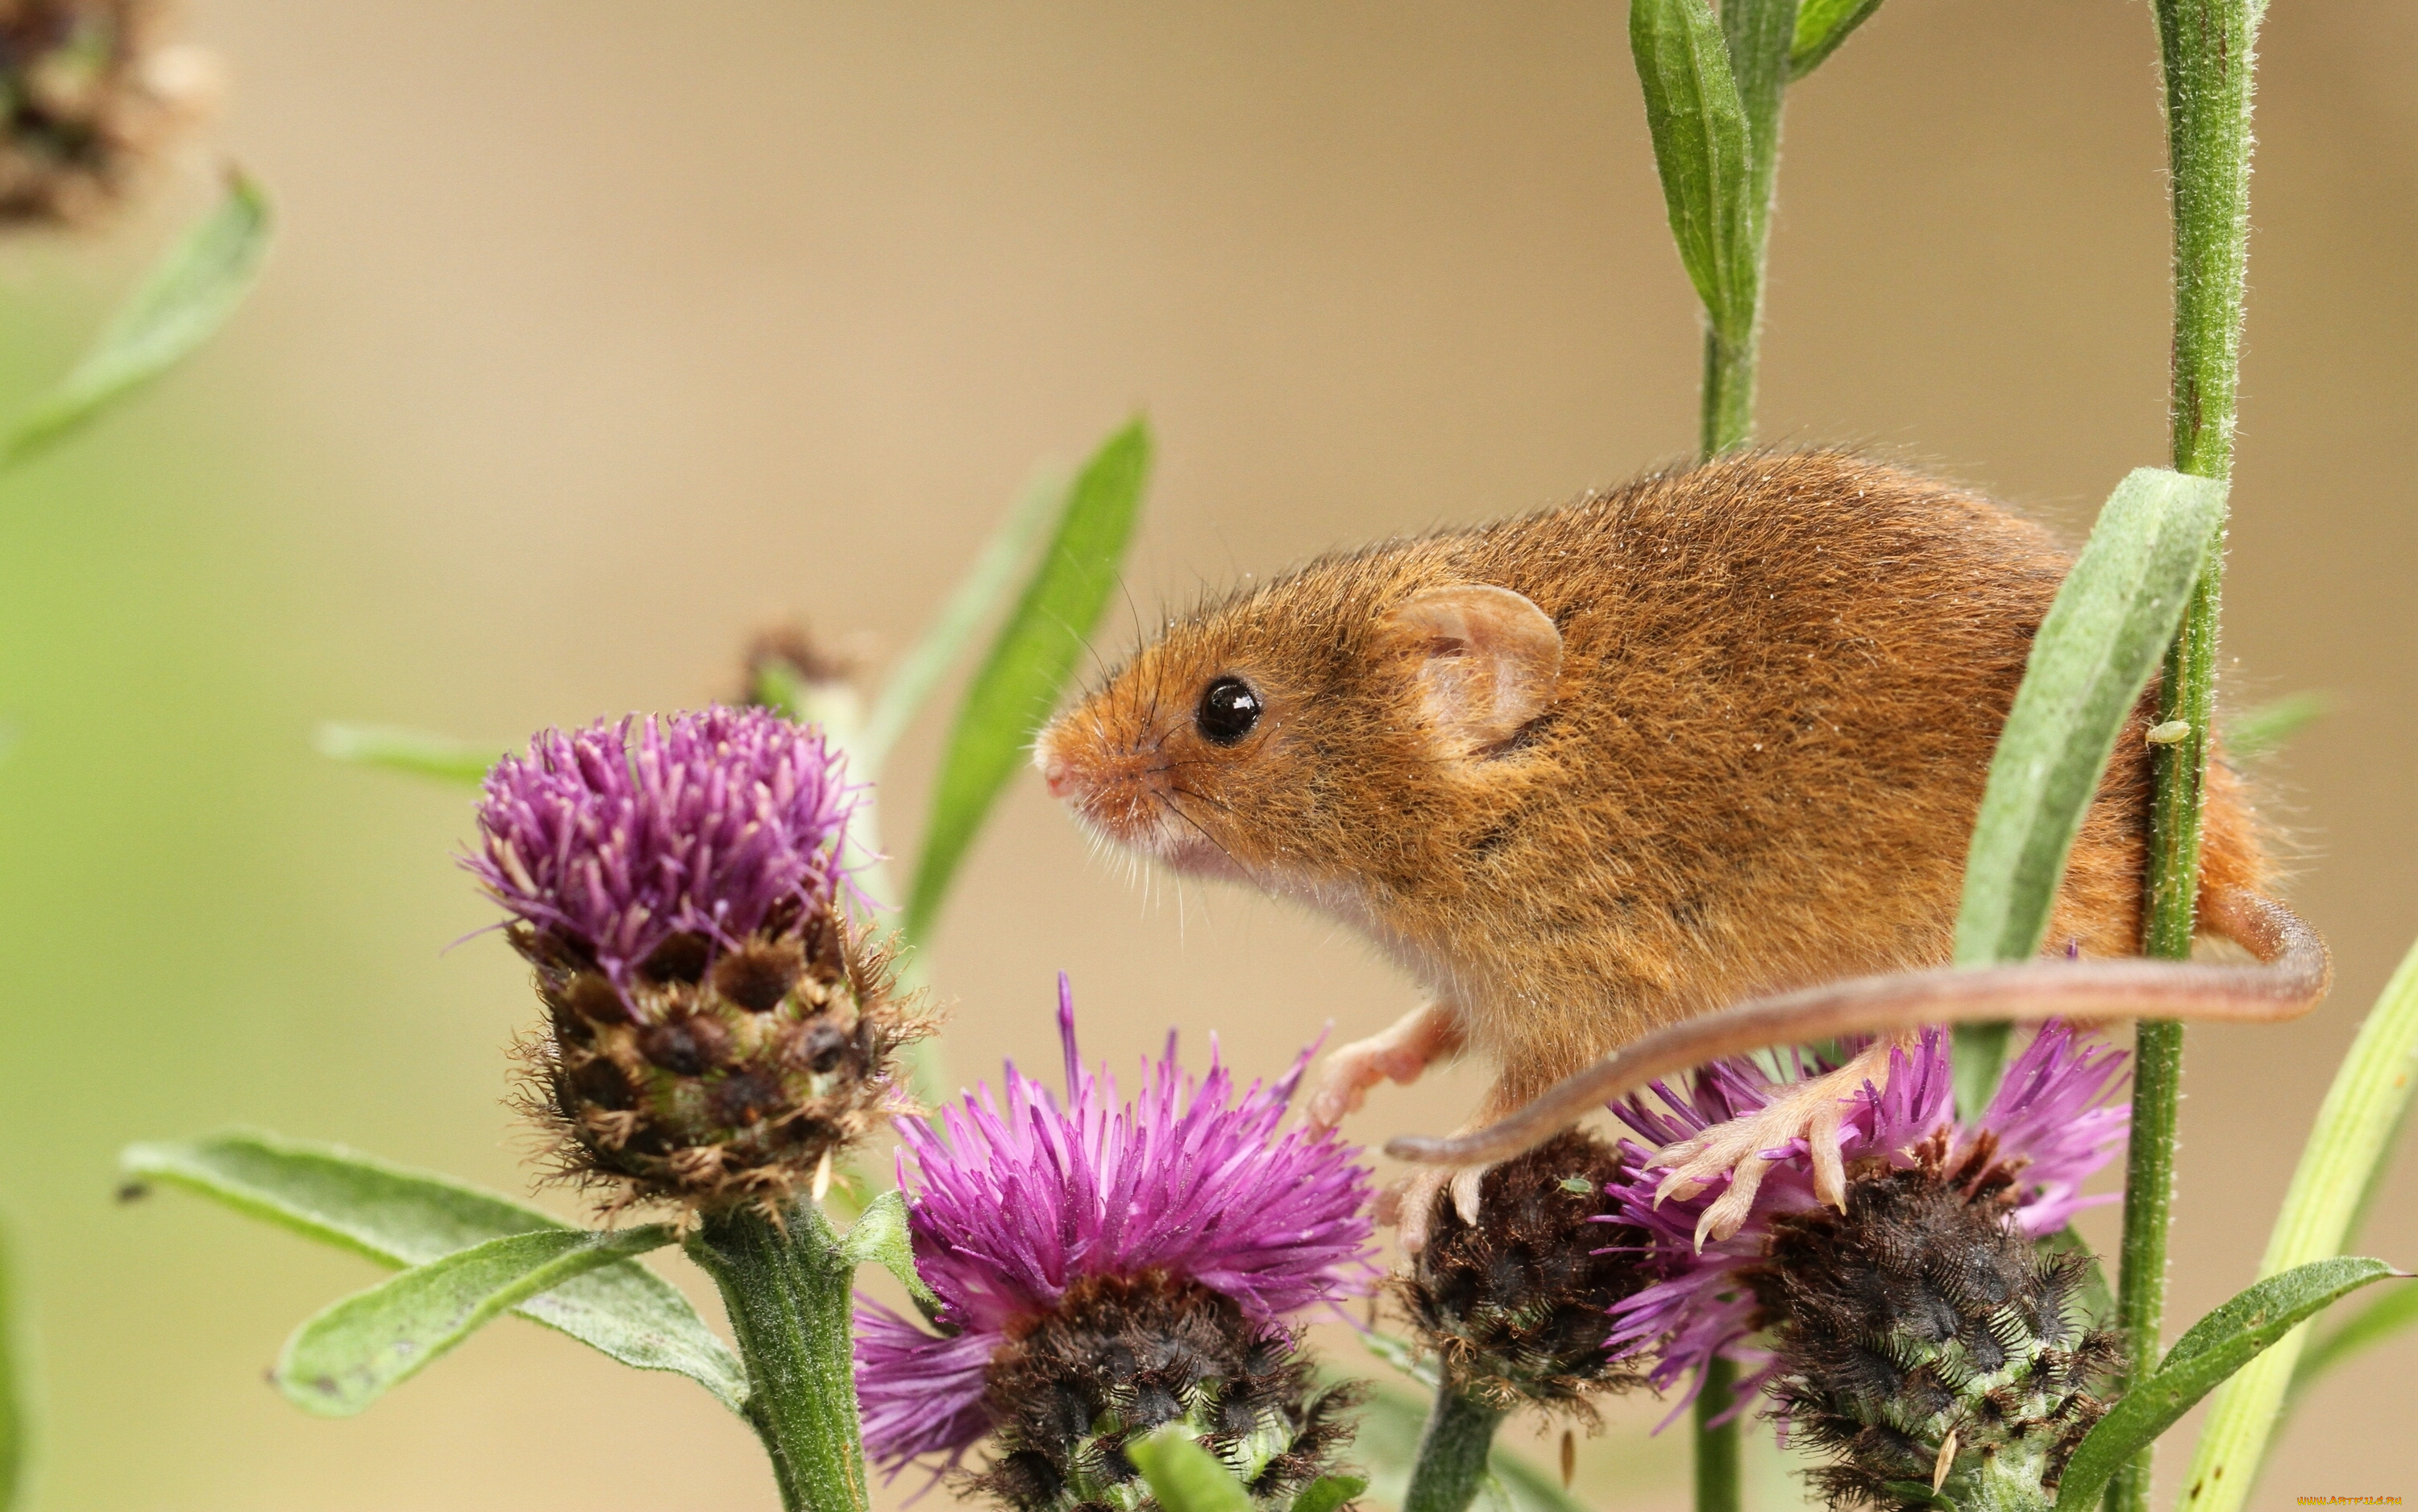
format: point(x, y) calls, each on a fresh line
point(1782, 680)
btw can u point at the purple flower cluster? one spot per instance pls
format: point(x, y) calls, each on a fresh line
point(1189, 1182)
point(2054, 1120)
point(621, 836)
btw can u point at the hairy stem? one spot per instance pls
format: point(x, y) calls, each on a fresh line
point(1717, 1449)
point(1452, 1453)
point(2206, 47)
point(787, 1288)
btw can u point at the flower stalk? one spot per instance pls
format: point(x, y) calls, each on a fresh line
point(2206, 49)
point(787, 1285)
point(1452, 1452)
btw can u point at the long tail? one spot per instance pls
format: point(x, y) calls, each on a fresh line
point(2294, 970)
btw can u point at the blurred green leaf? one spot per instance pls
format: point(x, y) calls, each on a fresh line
point(2212, 1349)
point(1184, 1476)
point(986, 582)
point(354, 1352)
point(1037, 647)
point(2371, 1325)
point(183, 302)
point(1821, 26)
point(461, 763)
point(400, 1217)
point(1398, 1354)
point(1391, 1421)
point(879, 1237)
point(2264, 728)
point(2095, 653)
point(2350, 1146)
point(15, 1385)
point(1699, 126)
point(1327, 1492)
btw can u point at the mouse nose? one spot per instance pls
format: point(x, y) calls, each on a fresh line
point(1057, 774)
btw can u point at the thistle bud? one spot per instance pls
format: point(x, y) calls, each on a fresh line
point(90, 98)
point(718, 1030)
point(1517, 1305)
point(1926, 1343)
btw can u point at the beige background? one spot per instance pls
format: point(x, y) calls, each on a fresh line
point(598, 333)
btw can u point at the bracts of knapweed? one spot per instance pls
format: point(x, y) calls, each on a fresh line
point(718, 1030)
point(92, 94)
point(1105, 1268)
point(1925, 1336)
point(1514, 1304)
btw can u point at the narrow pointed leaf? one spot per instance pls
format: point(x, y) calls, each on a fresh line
point(980, 591)
point(879, 1237)
point(461, 763)
point(1184, 1476)
point(2095, 652)
point(399, 1217)
point(2350, 1146)
point(1699, 127)
point(2388, 1315)
point(356, 1350)
point(1327, 1492)
point(1397, 1352)
point(2212, 1349)
point(181, 305)
point(2266, 728)
point(1821, 26)
point(1029, 664)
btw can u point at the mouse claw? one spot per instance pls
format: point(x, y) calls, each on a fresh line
point(1467, 1185)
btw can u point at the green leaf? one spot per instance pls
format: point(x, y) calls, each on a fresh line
point(879, 1237)
point(2340, 1168)
point(1184, 1476)
point(2373, 1324)
point(1821, 26)
point(1699, 126)
point(2265, 728)
point(2213, 1349)
point(354, 1352)
point(1037, 647)
point(1398, 1354)
point(2104, 635)
point(461, 763)
point(187, 297)
point(1327, 1492)
point(15, 1386)
point(986, 582)
point(1391, 1421)
point(399, 1217)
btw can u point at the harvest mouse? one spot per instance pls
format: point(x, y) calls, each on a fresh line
point(1597, 776)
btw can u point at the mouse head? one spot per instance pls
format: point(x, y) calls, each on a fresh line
point(1331, 725)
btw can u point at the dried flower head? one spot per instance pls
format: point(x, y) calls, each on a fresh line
point(718, 1029)
point(1928, 1345)
point(90, 98)
point(2052, 1124)
point(1106, 1267)
point(1515, 1303)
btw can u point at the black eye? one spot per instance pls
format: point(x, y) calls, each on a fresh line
point(1229, 709)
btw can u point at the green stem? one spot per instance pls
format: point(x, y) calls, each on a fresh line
point(2206, 47)
point(1452, 1453)
point(1756, 35)
point(1717, 1449)
point(786, 1289)
point(1728, 394)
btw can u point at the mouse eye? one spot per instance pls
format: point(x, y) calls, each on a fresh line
point(1229, 710)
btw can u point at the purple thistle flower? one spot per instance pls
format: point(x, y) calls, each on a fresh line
point(705, 825)
point(2052, 1123)
point(1025, 1215)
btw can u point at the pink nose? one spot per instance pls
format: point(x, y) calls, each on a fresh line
point(1057, 776)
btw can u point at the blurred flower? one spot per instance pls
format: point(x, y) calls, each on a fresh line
point(90, 97)
point(1515, 1305)
point(718, 1028)
point(1104, 1268)
point(2051, 1124)
point(1925, 1342)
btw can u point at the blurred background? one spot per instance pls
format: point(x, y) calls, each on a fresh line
point(598, 334)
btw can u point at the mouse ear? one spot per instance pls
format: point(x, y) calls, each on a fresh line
point(1489, 661)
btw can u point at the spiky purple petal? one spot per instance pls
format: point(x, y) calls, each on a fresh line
point(1011, 1204)
point(2052, 1115)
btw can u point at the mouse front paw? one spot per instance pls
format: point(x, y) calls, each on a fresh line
point(1744, 1148)
point(1399, 1054)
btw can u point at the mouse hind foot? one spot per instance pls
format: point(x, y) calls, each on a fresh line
point(1744, 1148)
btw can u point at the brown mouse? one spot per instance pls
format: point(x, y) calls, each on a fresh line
point(1596, 775)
